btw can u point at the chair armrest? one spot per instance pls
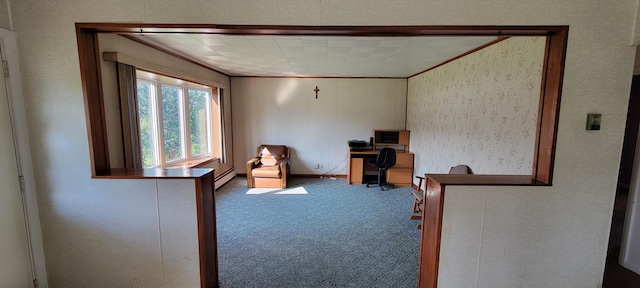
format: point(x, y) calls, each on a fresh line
point(284, 171)
point(252, 163)
point(418, 195)
point(284, 164)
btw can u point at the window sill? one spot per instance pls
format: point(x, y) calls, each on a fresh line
point(193, 163)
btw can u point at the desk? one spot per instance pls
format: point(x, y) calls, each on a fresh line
point(400, 174)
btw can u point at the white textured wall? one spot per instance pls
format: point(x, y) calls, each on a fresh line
point(5, 20)
point(479, 110)
point(286, 111)
point(136, 233)
point(574, 213)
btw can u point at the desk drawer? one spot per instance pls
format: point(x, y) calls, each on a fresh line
point(404, 160)
point(400, 176)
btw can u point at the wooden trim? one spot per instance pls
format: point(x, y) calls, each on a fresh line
point(306, 175)
point(194, 163)
point(203, 162)
point(500, 39)
point(153, 173)
point(207, 239)
point(483, 180)
point(430, 235)
point(173, 54)
point(416, 30)
point(319, 77)
point(142, 65)
point(91, 78)
point(549, 108)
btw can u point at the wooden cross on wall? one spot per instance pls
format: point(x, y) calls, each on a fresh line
point(316, 91)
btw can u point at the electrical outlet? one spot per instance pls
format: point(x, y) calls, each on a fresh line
point(318, 166)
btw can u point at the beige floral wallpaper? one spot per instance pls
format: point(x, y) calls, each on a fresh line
point(479, 110)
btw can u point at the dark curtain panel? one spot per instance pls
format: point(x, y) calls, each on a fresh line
point(127, 87)
point(223, 145)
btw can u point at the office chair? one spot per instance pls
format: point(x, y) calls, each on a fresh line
point(386, 158)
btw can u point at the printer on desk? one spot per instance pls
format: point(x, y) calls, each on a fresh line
point(359, 145)
point(361, 152)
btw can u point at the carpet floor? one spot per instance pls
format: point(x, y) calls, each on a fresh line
point(316, 233)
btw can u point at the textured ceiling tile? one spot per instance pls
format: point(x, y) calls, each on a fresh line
point(317, 55)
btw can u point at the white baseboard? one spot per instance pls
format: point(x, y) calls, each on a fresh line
point(225, 178)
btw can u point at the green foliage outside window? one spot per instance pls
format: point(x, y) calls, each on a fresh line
point(183, 137)
point(171, 122)
point(198, 121)
point(145, 120)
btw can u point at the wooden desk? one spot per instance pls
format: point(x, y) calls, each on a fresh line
point(400, 174)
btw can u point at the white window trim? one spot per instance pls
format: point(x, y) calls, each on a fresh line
point(185, 131)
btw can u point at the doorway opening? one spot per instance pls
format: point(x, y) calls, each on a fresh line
point(615, 275)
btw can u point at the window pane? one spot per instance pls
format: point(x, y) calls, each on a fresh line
point(171, 123)
point(145, 120)
point(198, 122)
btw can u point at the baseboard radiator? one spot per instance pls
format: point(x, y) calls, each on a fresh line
point(226, 177)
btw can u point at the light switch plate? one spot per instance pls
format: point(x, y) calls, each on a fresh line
point(593, 121)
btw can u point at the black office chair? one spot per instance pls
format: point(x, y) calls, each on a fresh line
point(386, 158)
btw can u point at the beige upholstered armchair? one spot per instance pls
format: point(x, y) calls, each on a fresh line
point(270, 168)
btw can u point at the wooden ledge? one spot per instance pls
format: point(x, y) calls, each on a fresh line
point(196, 163)
point(484, 180)
point(155, 173)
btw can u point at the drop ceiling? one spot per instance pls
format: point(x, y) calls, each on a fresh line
point(315, 56)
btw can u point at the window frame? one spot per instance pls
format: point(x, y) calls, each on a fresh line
point(157, 82)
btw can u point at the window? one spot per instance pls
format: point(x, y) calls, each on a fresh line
point(178, 120)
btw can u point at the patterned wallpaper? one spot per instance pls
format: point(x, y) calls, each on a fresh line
point(479, 110)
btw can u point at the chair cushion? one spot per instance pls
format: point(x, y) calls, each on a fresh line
point(275, 151)
point(271, 154)
point(266, 172)
point(269, 161)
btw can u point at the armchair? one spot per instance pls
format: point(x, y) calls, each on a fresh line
point(270, 168)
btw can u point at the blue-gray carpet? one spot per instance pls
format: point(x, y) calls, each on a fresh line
point(316, 233)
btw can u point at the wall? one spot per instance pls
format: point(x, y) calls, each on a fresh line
point(5, 19)
point(15, 268)
point(479, 110)
point(574, 213)
point(285, 111)
point(136, 233)
point(23, 150)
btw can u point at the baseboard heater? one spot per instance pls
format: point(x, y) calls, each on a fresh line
point(226, 177)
